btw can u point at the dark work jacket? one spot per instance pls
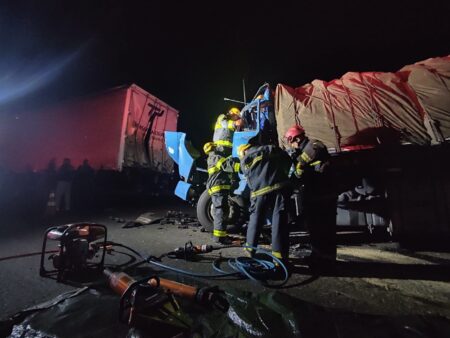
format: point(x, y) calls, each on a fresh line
point(266, 169)
point(312, 166)
point(220, 171)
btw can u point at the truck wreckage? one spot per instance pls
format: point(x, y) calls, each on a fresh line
point(381, 156)
point(384, 131)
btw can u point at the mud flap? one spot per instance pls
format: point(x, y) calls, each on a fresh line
point(182, 190)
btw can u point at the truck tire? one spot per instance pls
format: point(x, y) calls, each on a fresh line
point(204, 206)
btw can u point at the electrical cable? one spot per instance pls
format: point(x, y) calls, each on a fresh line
point(27, 255)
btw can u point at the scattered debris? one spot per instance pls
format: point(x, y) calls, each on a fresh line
point(182, 220)
point(178, 218)
point(117, 219)
point(300, 250)
point(132, 224)
point(148, 218)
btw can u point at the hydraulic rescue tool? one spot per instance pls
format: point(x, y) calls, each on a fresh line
point(123, 284)
point(78, 246)
point(189, 250)
point(152, 299)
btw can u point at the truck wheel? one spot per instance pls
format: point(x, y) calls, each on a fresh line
point(240, 206)
point(204, 215)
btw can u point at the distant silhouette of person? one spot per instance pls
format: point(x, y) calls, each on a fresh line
point(64, 176)
point(84, 186)
point(50, 176)
point(27, 190)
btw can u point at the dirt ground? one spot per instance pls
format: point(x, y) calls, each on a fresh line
point(371, 278)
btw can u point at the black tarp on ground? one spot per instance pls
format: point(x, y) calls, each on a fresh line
point(94, 313)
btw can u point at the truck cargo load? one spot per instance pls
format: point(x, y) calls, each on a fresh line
point(119, 128)
point(362, 110)
point(356, 117)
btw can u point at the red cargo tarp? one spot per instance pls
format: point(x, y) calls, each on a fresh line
point(371, 108)
point(121, 127)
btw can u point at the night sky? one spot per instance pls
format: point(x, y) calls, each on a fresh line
point(192, 54)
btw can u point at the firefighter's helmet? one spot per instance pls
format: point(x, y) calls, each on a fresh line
point(234, 111)
point(296, 131)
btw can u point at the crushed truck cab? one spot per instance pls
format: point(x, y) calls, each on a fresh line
point(389, 146)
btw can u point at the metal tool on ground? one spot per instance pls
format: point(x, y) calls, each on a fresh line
point(189, 250)
point(179, 218)
point(128, 288)
point(78, 245)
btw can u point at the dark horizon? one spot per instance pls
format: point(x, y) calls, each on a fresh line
point(193, 56)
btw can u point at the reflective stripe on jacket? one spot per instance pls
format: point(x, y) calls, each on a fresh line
point(223, 132)
point(220, 171)
point(313, 157)
point(266, 169)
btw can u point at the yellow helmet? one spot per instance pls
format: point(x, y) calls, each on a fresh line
point(234, 111)
point(242, 148)
point(208, 147)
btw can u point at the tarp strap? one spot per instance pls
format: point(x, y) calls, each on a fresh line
point(333, 117)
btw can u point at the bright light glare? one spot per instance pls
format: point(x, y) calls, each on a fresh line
point(23, 76)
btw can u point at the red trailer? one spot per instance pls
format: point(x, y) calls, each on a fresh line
point(121, 127)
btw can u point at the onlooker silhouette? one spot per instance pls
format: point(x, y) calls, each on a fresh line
point(64, 176)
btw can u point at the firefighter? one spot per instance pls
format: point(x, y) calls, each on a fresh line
point(266, 169)
point(224, 129)
point(221, 168)
point(312, 167)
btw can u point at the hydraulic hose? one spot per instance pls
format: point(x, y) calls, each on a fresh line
point(256, 269)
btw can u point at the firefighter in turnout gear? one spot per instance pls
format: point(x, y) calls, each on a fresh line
point(312, 167)
point(266, 168)
point(221, 168)
point(224, 129)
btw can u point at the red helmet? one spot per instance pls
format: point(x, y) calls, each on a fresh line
point(293, 132)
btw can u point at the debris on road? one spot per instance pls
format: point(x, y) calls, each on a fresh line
point(178, 218)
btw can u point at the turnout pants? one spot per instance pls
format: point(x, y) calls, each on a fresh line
point(320, 220)
point(271, 204)
point(220, 212)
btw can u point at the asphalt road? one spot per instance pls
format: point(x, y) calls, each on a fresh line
point(371, 278)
